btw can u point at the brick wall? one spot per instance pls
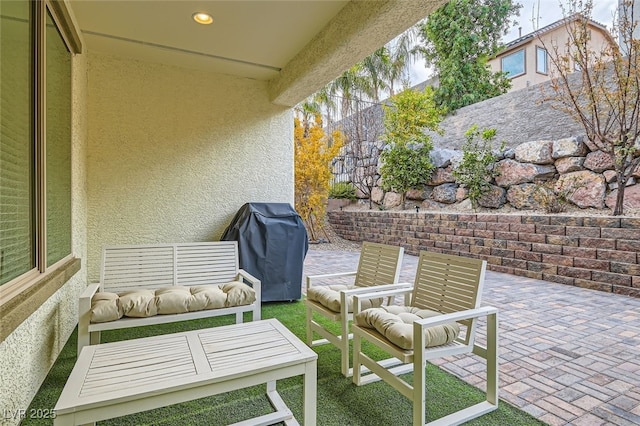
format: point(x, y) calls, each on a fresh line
point(596, 252)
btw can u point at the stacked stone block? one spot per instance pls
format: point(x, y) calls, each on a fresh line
point(595, 252)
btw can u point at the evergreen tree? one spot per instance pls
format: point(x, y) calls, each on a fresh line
point(458, 40)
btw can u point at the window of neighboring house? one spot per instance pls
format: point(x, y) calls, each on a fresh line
point(35, 141)
point(541, 60)
point(513, 64)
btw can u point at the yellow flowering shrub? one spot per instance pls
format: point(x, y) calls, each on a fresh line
point(314, 151)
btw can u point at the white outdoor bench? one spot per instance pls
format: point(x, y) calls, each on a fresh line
point(196, 280)
point(120, 378)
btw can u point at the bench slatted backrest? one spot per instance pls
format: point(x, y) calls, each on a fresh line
point(201, 264)
point(154, 266)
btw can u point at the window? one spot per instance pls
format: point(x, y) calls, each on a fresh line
point(17, 168)
point(36, 44)
point(513, 64)
point(58, 142)
point(541, 60)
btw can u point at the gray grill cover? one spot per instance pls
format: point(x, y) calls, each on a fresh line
point(272, 245)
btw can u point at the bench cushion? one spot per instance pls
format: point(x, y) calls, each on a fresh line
point(106, 306)
point(395, 323)
point(329, 297)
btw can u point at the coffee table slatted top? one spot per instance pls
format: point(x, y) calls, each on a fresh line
point(120, 370)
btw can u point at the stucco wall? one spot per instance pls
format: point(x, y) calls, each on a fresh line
point(173, 153)
point(28, 353)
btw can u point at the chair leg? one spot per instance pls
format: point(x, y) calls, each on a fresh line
point(357, 369)
point(344, 334)
point(344, 345)
point(94, 337)
point(309, 331)
point(419, 392)
point(492, 359)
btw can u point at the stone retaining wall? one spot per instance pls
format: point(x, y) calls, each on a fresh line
point(595, 252)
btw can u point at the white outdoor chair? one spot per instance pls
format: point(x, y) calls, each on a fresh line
point(445, 296)
point(379, 266)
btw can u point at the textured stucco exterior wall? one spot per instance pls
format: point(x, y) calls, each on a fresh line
point(174, 153)
point(28, 353)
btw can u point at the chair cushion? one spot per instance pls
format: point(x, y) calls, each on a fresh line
point(395, 323)
point(106, 306)
point(329, 297)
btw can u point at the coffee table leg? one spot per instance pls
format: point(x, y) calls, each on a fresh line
point(310, 393)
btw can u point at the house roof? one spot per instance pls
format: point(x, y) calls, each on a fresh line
point(554, 25)
point(297, 46)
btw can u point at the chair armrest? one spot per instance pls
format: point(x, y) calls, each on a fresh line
point(487, 352)
point(84, 304)
point(324, 276)
point(247, 276)
point(256, 284)
point(89, 292)
point(395, 290)
point(374, 291)
point(455, 316)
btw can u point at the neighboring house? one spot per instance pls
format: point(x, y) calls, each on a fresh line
point(142, 126)
point(526, 60)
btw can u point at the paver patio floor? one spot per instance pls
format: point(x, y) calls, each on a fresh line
point(568, 355)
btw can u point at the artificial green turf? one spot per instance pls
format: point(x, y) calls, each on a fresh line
point(340, 402)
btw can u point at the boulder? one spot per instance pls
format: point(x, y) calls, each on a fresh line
point(569, 164)
point(377, 195)
point(610, 176)
point(568, 147)
point(461, 193)
point(583, 188)
point(442, 175)
point(536, 152)
point(631, 198)
point(442, 157)
point(510, 153)
point(598, 161)
point(431, 205)
point(529, 196)
point(513, 172)
point(392, 199)
point(615, 185)
point(445, 193)
point(495, 198)
point(419, 194)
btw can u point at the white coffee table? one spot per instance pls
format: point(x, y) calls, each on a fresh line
point(115, 379)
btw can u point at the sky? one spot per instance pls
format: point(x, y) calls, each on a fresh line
point(549, 12)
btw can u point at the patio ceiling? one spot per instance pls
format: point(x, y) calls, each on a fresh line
point(296, 45)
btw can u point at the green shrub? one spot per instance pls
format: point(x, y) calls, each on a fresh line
point(343, 190)
point(477, 168)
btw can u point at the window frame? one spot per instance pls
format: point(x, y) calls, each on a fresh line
point(524, 62)
point(546, 61)
point(23, 295)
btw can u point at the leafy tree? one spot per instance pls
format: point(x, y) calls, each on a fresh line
point(406, 159)
point(604, 94)
point(477, 168)
point(458, 40)
point(314, 151)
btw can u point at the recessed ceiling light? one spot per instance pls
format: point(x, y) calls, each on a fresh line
point(202, 18)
